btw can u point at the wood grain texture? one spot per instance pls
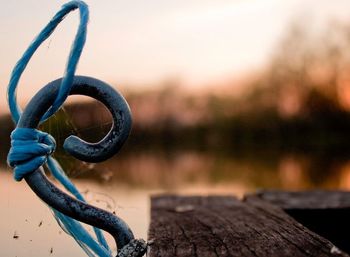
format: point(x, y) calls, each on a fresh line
point(218, 226)
point(315, 199)
point(324, 212)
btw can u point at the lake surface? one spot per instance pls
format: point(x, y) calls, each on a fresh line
point(125, 184)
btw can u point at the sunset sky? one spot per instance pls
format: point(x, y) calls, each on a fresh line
point(142, 42)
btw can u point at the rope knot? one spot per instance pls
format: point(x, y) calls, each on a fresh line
point(30, 149)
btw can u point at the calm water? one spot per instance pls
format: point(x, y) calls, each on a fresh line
point(25, 216)
point(125, 184)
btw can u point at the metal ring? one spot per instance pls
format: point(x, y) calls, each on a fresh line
point(90, 152)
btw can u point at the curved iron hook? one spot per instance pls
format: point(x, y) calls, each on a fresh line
point(90, 152)
point(121, 115)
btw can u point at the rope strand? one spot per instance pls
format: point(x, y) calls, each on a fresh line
point(31, 148)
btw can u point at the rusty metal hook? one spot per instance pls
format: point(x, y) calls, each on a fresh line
point(89, 152)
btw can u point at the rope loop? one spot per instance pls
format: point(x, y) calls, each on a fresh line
point(30, 149)
point(73, 58)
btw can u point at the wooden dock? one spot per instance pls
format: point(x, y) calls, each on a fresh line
point(269, 223)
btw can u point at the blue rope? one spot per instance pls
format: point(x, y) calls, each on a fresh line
point(31, 148)
point(73, 58)
point(29, 151)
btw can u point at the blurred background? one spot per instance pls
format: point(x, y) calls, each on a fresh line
point(227, 96)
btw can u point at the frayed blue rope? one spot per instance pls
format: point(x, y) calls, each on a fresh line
point(73, 58)
point(31, 148)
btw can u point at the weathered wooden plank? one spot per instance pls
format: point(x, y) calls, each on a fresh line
point(315, 199)
point(324, 212)
point(225, 226)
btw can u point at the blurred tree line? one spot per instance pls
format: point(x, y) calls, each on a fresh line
point(300, 102)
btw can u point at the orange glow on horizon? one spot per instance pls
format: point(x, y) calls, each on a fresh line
point(141, 43)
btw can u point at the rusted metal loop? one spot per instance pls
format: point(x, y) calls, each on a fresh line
point(119, 132)
point(90, 152)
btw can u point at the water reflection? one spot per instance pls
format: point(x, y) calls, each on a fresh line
point(27, 227)
point(125, 183)
point(242, 172)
